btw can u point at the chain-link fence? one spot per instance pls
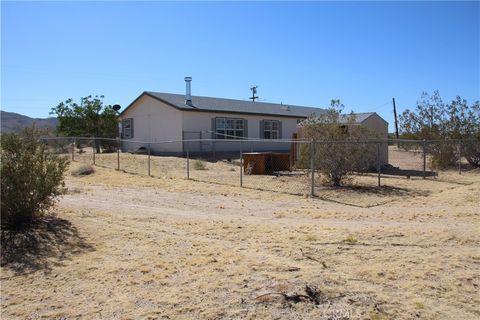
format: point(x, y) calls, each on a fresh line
point(288, 166)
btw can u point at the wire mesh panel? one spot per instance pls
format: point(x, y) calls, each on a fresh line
point(220, 165)
point(134, 157)
point(84, 150)
point(470, 153)
point(60, 146)
point(294, 167)
point(408, 158)
point(106, 152)
point(167, 160)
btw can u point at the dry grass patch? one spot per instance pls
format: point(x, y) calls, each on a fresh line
point(182, 249)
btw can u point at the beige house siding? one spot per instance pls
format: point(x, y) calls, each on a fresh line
point(195, 122)
point(380, 127)
point(154, 121)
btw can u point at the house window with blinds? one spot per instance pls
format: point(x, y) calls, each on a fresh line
point(229, 128)
point(271, 129)
point(127, 128)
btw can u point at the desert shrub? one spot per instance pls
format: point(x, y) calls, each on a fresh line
point(443, 154)
point(199, 165)
point(108, 146)
point(58, 146)
point(433, 119)
point(83, 170)
point(32, 178)
point(341, 147)
point(471, 152)
point(350, 240)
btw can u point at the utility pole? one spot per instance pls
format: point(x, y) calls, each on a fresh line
point(254, 93)
point(396, 121)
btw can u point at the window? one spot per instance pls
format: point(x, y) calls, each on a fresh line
point(271, 129)
point(127, 128)
point(230, 128)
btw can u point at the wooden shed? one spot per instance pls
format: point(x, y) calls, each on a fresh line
point(265, 162)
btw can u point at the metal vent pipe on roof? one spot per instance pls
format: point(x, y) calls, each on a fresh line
point(188, 92)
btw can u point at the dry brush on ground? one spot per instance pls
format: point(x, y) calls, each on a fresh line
point(177, 249)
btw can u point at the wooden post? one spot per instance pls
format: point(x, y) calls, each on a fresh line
point(395, 116)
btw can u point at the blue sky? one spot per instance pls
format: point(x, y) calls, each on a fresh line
point(306, 53)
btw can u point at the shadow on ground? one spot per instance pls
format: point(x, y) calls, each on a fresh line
point(408, 172)
point(349, 194)
point(49, 241)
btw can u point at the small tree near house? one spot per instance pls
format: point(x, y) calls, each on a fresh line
point(340, 146)
point(89, 118)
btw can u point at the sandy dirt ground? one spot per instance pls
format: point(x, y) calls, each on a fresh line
point(126, 246)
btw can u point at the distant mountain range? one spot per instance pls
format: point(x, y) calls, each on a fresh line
point(14, 122)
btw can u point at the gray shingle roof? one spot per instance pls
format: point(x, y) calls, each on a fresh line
point(235, 106)
point(211, 104)
point(359, 117)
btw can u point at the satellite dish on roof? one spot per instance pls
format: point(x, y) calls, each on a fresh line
point(116, 107)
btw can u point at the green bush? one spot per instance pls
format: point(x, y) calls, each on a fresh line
point(32, 178)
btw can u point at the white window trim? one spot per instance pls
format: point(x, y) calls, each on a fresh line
point(271, 131)
point(223, 133)
point(128, 129)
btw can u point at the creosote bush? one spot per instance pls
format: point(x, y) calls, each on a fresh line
point(32, 178)
point(433, 119)
point(471, 152)
point(83, 170)
point(340, 147)
point(199, 165)
point(444, 154)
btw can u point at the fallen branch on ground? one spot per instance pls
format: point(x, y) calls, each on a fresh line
point(313, 259)
point(312, 294)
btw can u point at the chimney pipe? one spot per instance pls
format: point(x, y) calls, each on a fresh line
point(188, 93)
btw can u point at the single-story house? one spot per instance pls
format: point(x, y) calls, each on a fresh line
point(156, 117)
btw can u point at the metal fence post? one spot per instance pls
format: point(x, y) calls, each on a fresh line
point(378, 162)
point(241, 165)
point(188, 165)
point(460, 157)
point(148, 160)
point(94, 146)
point(312, 168)
point(201, 147)
point(118, 153)
point(214, 151)
point(424, 142)
point(73, 149)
